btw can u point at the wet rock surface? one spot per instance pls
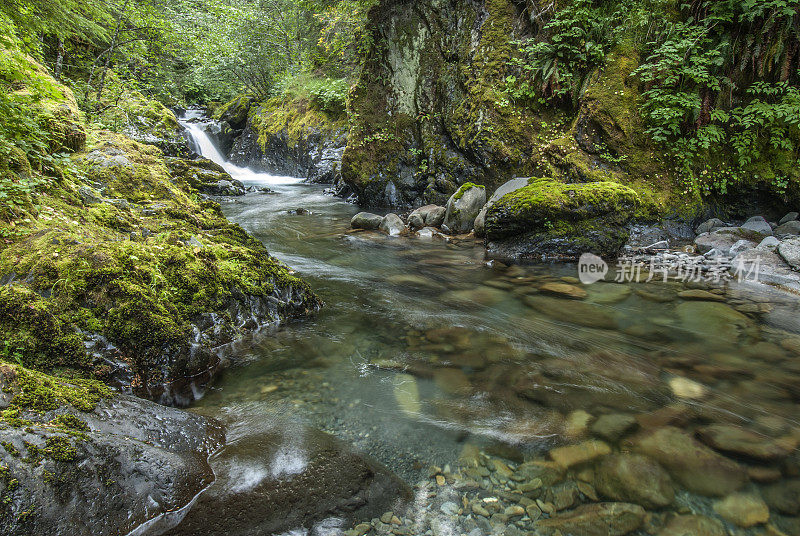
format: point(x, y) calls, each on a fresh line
point(132, 462)
point(289, 478)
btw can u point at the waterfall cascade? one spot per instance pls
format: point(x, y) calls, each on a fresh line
point(195, 123)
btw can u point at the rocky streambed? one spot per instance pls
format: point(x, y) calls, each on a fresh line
point(516, 400)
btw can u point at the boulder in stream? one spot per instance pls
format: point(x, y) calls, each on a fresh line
point(463, 207)
point(289, 477)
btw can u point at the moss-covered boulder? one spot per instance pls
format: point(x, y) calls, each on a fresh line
point(205, 176)
point(552, 219)
point(72, 451)
point(463, 207)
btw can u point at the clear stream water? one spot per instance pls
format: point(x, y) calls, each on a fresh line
point(423, 347)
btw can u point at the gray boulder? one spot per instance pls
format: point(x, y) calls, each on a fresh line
point(134, 461)
point(792, 216)
point(427, 216)
point(463, 207)
point(758, 224)
point(392, 225)
point(710, 225)
point(789, 250)
point(769, 243)
point(788, 228)
point(366, 220)
point(741, 246)
point(507, 188)
point(721, 239)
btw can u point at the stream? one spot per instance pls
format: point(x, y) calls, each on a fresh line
point(424, 352)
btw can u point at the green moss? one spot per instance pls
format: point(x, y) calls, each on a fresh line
point(463, 189)
point(39, 392)
point(546, 204)
point(60, 449)
point(11, 449)
point(70, 422)
point(296, 117)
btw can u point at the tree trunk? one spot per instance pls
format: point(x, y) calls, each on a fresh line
point(111, 51)
point(59, 61)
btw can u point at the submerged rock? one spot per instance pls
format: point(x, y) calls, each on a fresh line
point(289, 477)
point(580, 453)
point(694, 525)
point(600, 519)
point(694, 465)
point(743, 509)
point(634, 478)
point(743, 442)
point(548, 218)
point(572, 311)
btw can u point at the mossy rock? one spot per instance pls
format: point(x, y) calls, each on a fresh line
point(143, 269)
point(67, 438)
point(549, 218)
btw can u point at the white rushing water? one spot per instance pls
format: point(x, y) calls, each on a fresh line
point(193, 122)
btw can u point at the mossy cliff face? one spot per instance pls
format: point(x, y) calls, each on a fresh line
point(428, 113)
point(284, 135)
point(114, 267)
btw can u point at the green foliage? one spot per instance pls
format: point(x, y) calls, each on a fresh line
point(555, 68)
point(714, 95)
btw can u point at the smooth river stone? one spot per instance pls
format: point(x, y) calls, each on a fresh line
point(599, 519)
point(452, 381)
point(574, 312)
point(743, 442)
point(634, 478)
point(612, 427)
point(686, 388)
point(695, 466)
point(406, 393)
point(692, 525)
point(743, 509)
point(702, 295)
point(784, 496)
point(563, 289)
point(711, 320)
point(577, 454)
point(608, 293)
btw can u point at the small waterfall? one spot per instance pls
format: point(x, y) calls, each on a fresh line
point(195, 123)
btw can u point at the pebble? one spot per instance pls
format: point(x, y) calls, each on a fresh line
point(686, 388)
point(743, 509)
point(586, 451)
